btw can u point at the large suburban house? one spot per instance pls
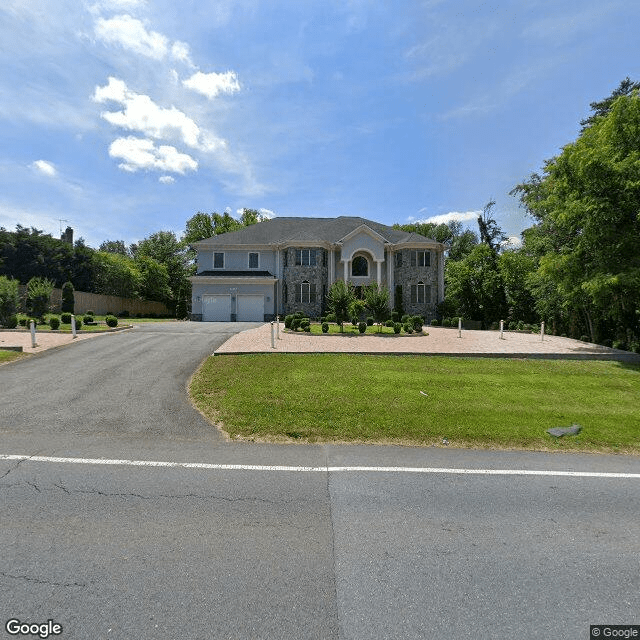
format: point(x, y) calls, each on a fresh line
point(285, 265)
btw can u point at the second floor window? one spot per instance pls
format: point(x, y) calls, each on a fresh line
point(253, 260)
point(218, 260)
point(421, 258)
point(420, 293)
point(306, 257)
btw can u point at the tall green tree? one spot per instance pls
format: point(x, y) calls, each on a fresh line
point(8, 301)
point(115, 275)
point(586, 206)
point(376, 299)
point(39, 292)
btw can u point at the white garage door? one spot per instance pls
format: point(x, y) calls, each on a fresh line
point(216, 308)
point(250, 308)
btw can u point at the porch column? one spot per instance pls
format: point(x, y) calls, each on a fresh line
point(390, 283)
point(346, 270)
point(379, 273)
point(440, 255)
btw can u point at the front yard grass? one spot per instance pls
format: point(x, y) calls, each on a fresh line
point(8, 356)
point(494, 403)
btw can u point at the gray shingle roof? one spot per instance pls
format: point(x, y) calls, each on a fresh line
point(304, 230)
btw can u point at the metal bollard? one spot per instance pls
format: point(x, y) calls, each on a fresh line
point(542, 332)
point(273, 345)
point(73, 326)
point(459, 327)
point(501, 329)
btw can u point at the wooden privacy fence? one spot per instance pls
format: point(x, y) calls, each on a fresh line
point(98, 303)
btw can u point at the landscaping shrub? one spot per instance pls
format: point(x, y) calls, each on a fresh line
point(299, 314)
point(325, 327)
point(11, 322)
point(620, 344)
point(65, 318)
point(78, 323)
point(407, 327)
point(331, 317)
point(435, 323)
point(323, 319)
point(8, 299)
point(39, 292)
point(287, 321)
point(513, 325)
point(369, 321)
point(123, 314)
point(397, 327)
point(306, 328)
point(89, 312)
point(395, 316)
point(111, 321)
point(88, 319)
point(405, 318)
point(520, 325)
point(354, 321)
point(22, 321)
point(417, 322)
point(54, 322)
point(138, 315)
point(68, 299)
point(584, 338)
point(362, 327)
point(446, 322)
point(295, 323)
point(389, 323)
point(304, 323)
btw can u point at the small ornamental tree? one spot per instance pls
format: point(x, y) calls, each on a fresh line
point(8, 300)
point(340, 300)
point(68, 301)
point(377, 301)
point(39, 292)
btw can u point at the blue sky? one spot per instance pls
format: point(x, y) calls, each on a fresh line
point(126, 117)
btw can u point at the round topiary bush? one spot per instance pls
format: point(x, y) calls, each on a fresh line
point(397, 327)
point(435, 323)
point(446, 322)
point(362, 327)
point(54, 322)
point(417, 322)
point(306, 328)
point(325, 327)
point(78, 324)
point(88, 318)
point(111, 321)
point(123, 314)
point(405, 318)
point(331, 317)
point(89, 312)
point(407, 328)
point(65, 318)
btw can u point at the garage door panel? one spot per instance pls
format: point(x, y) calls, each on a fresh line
point(250, 308)
point(216, 308)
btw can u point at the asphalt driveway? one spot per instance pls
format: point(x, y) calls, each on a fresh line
point(126, 388)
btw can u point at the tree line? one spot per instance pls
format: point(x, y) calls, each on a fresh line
point(578, 268)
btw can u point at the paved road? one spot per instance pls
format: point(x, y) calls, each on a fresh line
point(321, 550)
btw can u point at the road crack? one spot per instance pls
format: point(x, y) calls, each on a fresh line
point(4, 574)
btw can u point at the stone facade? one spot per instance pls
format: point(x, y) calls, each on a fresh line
point(293, 276)
point(406, 275)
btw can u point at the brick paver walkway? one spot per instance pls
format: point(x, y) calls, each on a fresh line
point(439, 341)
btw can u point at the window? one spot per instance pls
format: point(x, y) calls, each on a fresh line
point(306, 257)
point(398, 257)
point(306, 292)
point(420, 293)
point(421, 258)
point(253, 260)
point(218, 260)
point(360, 266)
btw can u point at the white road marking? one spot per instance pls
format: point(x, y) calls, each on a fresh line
point(296, 469)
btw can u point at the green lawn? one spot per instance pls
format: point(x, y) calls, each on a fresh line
point(8, 356)
point(471, 402)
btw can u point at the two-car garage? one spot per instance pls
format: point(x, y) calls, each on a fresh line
point(219, 308)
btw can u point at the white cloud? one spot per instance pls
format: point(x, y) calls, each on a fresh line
point(141, 114)
point(180, 51)
point(267, 213)
point(212, 84)
point(131, 33)
point(140, 153)
point(512, 242)
point(118, 5)
point(452, 215)
point(45, 168)
point(166, 179)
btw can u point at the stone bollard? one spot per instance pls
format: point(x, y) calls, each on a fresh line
point(273, 344)
point(542, 332)
point(501, 329)
point(73, 326)
point(32, 326)
point(459, 327)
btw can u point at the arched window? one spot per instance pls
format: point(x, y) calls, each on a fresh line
point(360, 266)
point(418, 293)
